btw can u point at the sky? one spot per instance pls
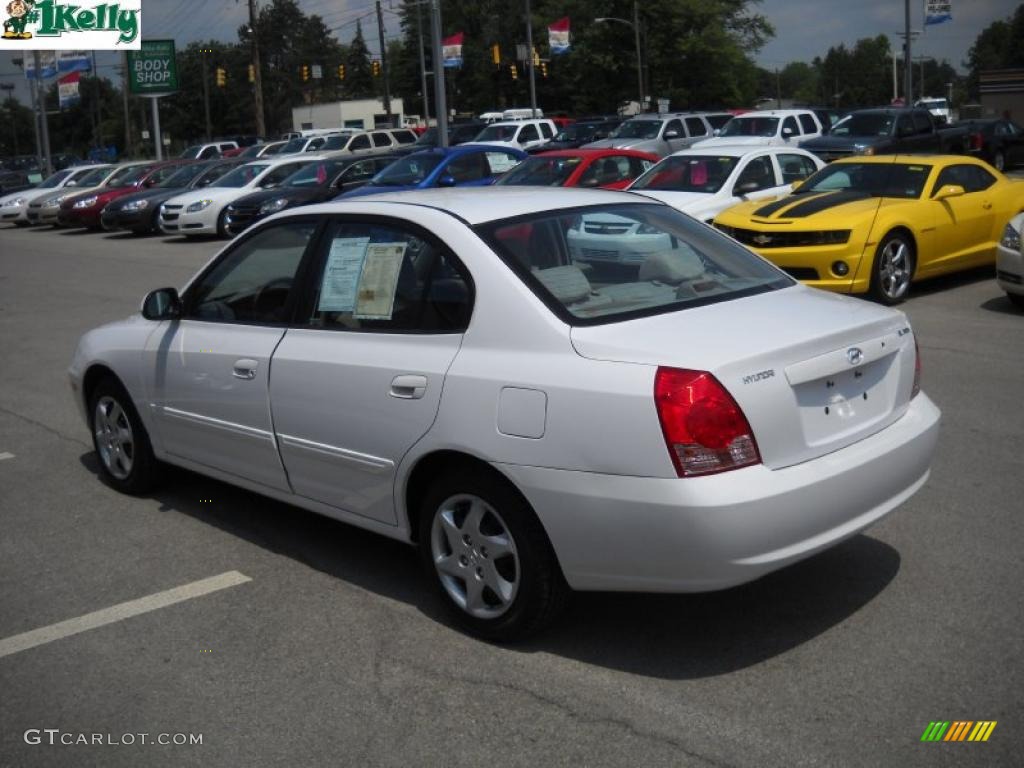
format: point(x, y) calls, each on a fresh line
point(803, 29)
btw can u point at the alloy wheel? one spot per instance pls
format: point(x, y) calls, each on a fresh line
point(894, 268)
point(114, 439)
point(475, 556)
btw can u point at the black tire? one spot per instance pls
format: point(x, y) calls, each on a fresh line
point(541, 592)
point(1016, 299)
point(222, 226)
point(891, 275)
point(143, 472)
point(22, 224)
point(999, 161)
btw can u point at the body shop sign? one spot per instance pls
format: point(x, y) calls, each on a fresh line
point(51, 25)
point(152, 69)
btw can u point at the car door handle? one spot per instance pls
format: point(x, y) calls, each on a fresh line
point(408, 387)
point(245, 368)
point(986, 205)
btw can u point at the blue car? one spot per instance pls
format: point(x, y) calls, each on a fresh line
point(467, 165)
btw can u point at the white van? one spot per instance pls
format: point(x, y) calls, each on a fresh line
point(491, 117)
point(521, 114)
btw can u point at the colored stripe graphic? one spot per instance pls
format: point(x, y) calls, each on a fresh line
point(958, 730)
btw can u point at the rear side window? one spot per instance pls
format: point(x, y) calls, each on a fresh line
point(381, 139)
point(807, 123)
point(695, 126)
point(359, 142)
point(384, 278)
point(795, 168)
point(613, 262)
point(404, 137)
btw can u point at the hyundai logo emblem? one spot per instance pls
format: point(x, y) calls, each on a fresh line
point(854, 355)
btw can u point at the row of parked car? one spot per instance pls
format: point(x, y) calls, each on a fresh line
point(942, 212)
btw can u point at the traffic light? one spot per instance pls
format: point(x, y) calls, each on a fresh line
point(222, 77)
point(305, 72)
point(536, 57)
point(376, 68)
point(544, 69)
point(341, 71)
point(252, 73)
point(496, 54)
point(514, 72)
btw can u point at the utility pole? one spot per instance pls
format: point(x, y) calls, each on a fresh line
point(35, 114)
point(440, 107)
point(127, 112)
point(384, 63)
point(908, 74)
point(423, 65)
point(206, 95)
point(529, 55)
point(639, 66)
point(778, 90)
point(261, 128)
point(45, 121)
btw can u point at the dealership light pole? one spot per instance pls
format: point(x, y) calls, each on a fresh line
point(261, 128)
point(44, 120)
point(907, 60)
point(531, 59)
point(635, 24)
point(423, 64)
point(440, 106)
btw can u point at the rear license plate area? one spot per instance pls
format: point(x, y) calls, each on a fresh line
point(847, 401)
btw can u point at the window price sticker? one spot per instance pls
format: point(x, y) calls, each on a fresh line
point(375, 297)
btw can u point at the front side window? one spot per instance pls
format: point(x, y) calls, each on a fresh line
point(638, 129)
point(466, 168)
point(279, 174)
point(790, 128)
point(795, 168)
point(254, 282)
point(529, 133)
point(807, 123)
point(758, 174)
point(295, 145)
point(696, 173)
point(676, 126)
point(314, 174)
point(497, 133)
point(382, 277)
point(613, 262)
point(361, 171)
point(359, 142)
point(608, 170)
point(127, 176)
point(182, 176)
point(546, 131)
point(970, 177)
point(864, 124)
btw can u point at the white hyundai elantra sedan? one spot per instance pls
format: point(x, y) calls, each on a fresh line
point(435, 366)
point(203, 211)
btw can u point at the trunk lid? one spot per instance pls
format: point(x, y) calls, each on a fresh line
point(812, 371)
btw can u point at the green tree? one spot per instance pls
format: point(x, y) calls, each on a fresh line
point(359, 79)
point(998, 46)
point(17, 136)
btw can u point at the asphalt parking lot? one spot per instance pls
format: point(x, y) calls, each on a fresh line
point(295, 640)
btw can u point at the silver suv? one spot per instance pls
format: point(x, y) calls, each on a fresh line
point(659, 134)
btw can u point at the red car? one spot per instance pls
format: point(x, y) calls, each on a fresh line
point(605, 168)
point(84, 210)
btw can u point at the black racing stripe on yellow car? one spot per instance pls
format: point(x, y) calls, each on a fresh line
point(778, 205)
point(819, 204)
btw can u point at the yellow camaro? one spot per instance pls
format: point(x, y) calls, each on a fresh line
point(873, 224)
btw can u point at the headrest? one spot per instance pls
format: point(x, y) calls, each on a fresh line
point(568, 284)
point(672, 267)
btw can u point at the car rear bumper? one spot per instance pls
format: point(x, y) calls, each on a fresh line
point(701, 534)
point(1010, 270)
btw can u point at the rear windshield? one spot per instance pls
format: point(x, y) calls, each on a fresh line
point(751, 126)
point(696, 173)
point(293, 146)
point(864, 124)
point(903, 180)
point(614, 262)
point(638, 129)
point(542, 171)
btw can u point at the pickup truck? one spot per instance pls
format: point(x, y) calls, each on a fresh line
point(887, 132)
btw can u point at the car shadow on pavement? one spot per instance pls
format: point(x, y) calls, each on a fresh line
point(663, 636)
point(951, 281)
point(1002, 305)
point(182, 240)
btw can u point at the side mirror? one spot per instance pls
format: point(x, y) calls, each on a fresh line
point(716, 132)
point(162, 304)
point(673, 134)
point(745, 188)
point(947, 191)
point(71, 183)
point(787, 132)
point(446, 181)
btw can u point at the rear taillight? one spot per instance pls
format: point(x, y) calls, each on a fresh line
point(917, 371)
point(704, 428)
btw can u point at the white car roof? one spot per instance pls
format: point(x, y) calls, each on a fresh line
point(478, 205)
point(282, 159)
point(739, 150)
point(775, 112)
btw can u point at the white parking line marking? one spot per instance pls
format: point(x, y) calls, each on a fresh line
point(120, 612)
point(6, 455)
